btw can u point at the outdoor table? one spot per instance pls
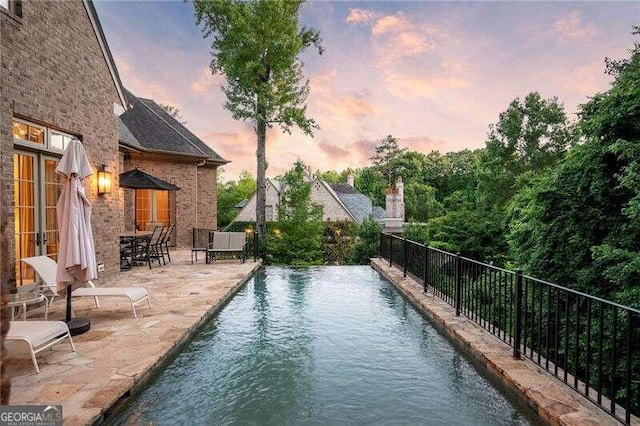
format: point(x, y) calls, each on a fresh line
point(18, 300)
point(135, 238)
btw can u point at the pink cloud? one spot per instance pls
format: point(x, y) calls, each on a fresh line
point(407, 86)
point(360, 16)
point(207, 82)
point(332, 151)
point(571, 27)
point(321, 82)
point(390, 23)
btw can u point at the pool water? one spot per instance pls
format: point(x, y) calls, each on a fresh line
point(325, 345)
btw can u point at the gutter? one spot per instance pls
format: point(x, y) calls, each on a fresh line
point(200, 164)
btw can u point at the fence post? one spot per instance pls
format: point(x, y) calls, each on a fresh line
point(425, 273)
point(518, 333)
point(458, 283)
point(404, 257)
point(391, 250)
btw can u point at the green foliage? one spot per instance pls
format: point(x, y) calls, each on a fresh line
point(297, 238)
point(531, 135)
point(331, 176)
point(420, 202)
point(367, 242)
point(338, 242)
point(230, 194)
point(256, 44)
point(370, 182)
point(577, 224)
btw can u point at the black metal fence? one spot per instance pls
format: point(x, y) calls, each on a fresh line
point(589, 343)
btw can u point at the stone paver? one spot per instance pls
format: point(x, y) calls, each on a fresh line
point(120, 352)
point(555, 402)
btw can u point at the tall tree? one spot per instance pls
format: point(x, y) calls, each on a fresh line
point(299, 240)
point(531, 135)
point(388, 150)
point(256, 45)
point(578, 224)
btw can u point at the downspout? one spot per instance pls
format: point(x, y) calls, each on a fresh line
point(202, 163)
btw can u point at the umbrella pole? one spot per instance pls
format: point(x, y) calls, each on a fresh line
point(68, 318)
point(76, 325)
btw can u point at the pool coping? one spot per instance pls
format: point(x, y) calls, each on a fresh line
point(555, 402)
point(143, 379)
point(118, 356)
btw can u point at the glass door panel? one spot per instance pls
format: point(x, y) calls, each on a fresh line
point(36, 189)
point(26, 226)
point(53, 183)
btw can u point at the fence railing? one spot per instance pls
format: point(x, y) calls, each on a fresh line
point(589, 343)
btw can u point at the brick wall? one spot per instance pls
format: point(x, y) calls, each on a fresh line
point(54, 73)
point(195, 203)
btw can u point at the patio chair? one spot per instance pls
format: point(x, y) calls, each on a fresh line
point(164, 245)
point(45, 268)
point(39, 335)
point(148, 250)
point(202, 240)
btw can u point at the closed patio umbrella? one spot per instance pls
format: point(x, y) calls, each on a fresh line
point(76, 253)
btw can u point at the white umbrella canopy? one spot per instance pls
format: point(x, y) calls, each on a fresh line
point(76, 253)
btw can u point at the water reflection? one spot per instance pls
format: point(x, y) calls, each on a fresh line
point(331, 345)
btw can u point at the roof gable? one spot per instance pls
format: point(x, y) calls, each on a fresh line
point(104, 47)
point(156, 130)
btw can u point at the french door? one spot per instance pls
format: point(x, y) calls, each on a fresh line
point(37, 187)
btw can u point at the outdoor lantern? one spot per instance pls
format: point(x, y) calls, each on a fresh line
point(104, 180)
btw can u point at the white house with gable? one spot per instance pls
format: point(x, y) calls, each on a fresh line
point(340, 201)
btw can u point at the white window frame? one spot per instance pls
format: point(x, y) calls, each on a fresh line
point(48, 133)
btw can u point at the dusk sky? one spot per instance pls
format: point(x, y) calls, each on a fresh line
point(433, 74)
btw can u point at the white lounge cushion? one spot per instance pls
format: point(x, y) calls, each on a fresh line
point(133, 293)
point(36, 332)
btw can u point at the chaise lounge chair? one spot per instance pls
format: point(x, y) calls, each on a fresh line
point(39, 335)
point(45, 268)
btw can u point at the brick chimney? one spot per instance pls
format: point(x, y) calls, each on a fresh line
point(350, 179)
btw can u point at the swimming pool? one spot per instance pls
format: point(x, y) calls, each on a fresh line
point(325, 345)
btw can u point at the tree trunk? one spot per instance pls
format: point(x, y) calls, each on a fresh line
point(261, 193)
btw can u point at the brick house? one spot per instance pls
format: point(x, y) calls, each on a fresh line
point(156, 143)
point(59, 81)
point(339, 202)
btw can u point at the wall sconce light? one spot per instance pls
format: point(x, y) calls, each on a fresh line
point(104, 180)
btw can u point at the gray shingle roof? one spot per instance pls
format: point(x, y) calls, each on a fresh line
point(379, 212)
point(154, 129)
point(358, 204)
point(343, 188)
point(126, 136)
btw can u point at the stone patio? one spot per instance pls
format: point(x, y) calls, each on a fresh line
point(120, 352)
point(555, 402)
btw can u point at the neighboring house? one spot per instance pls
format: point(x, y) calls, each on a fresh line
point(248, 212)
point(58, 81)
point(339, 202)
point(156, 143)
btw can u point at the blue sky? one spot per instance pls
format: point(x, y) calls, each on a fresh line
point(434, 74)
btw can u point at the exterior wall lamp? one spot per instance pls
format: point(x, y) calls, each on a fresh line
point(104, 180)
